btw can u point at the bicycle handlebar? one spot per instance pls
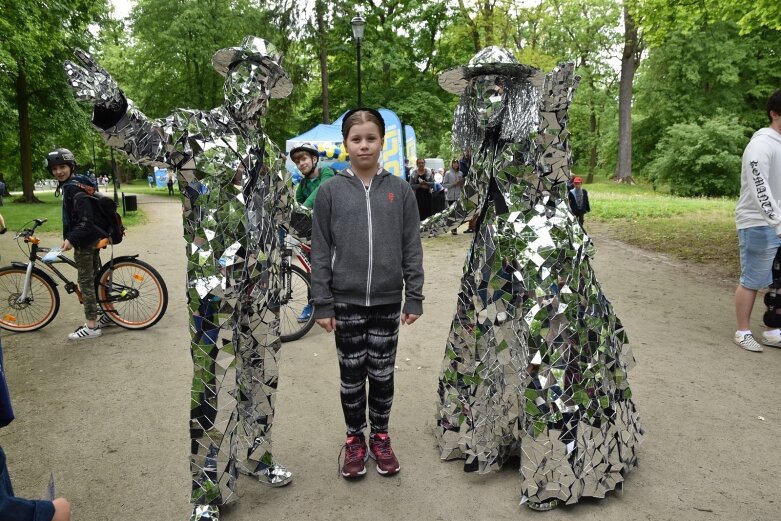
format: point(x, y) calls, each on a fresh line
point(27, 232)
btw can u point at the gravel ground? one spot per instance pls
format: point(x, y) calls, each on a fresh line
point(109, 416)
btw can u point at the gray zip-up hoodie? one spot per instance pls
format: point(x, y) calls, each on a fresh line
point(759, 203)
point(366, 244)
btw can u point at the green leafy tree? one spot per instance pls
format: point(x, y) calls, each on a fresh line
point(700, 159)
point(699, 72)
point(586, 33)
point(35, 103)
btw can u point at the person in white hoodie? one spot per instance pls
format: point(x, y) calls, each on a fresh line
point(758, 220)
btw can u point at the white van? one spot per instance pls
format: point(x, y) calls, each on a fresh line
point(435, 163)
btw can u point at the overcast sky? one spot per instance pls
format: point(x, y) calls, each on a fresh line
point(122, 7)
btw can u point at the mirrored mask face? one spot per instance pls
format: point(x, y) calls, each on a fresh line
point(487, 99)
point(247, 90)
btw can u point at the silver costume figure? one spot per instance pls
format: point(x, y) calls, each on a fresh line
point(536, 362)
point(236, 195)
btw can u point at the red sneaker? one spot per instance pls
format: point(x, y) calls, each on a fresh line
point(382, 452)
point(355, 455)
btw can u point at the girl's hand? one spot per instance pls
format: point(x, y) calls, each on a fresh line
point(62, 509)
point(329, 324)
point(409, 318)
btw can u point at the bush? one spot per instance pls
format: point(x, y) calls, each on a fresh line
point(700, 159)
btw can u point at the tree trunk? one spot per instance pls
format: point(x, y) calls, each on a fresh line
point(322, 37)
point(25, 148)
point(593, 149)
point(474, 32)
point(630, 59)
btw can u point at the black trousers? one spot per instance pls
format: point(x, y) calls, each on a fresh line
point(366, 340)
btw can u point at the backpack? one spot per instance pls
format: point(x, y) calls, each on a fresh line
point(107, 220)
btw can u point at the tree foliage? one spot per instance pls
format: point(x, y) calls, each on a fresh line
point(36, 111)
point(697, 74)
point(700, 159)
point(699, 58)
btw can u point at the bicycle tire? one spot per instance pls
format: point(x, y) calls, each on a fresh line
point(289, 327)
point(131, 275)
point(42, 307)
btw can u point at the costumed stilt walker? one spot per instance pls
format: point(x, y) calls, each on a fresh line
point(536, 361)
point(236, 195)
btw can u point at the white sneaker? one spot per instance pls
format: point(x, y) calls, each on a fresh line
point(104, 321)
point(747, 342)
point(85, 332)
point(772, 340)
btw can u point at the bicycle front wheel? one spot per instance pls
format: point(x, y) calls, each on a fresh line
point(38, 309)
point(131, 293)
point(296, 317)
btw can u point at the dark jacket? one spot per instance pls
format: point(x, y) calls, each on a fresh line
point(307, 188)
point(366, 244)
point(584, 207)
point(78, 219)
point(14, 508)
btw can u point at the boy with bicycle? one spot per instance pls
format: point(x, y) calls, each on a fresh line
point(306, 157)
point(79, 233)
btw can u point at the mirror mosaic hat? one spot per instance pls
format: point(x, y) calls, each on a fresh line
point(490, 60)
point(261, 51)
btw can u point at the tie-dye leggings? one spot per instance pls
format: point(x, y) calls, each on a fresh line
point(366, 339)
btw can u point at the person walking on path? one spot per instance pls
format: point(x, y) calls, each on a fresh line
point(453, 182)
point(421, 181)
point(235, 195)
point(578, 200)
point(365, 243)
point(758, 220)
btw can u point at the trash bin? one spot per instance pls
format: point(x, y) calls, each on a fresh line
point(131, 205)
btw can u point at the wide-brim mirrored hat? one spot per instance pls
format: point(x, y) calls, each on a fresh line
point(490, 60)
point(258, 50)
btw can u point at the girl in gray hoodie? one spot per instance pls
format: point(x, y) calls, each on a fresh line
point(366, 252)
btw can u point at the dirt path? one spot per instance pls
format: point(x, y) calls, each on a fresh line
point(109, 416)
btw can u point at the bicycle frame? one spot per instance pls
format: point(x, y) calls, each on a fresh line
point(128, 293)
point(301, 250)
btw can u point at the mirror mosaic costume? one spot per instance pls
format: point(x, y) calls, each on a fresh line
point(536, 361)
point(236, 195)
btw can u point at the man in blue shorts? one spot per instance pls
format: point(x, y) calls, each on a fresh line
point(758, 219)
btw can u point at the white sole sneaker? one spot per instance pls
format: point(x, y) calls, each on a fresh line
point(771, 340)
point(748, 343)
point(84, 332)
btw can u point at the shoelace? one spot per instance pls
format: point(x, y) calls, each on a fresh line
point(351, 451)
point(382, 445)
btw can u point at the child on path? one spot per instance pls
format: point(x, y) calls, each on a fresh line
point(365, 250)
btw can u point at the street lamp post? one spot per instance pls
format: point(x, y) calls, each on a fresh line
point(358, 24)
point(114, 175)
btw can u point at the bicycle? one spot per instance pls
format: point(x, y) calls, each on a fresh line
point(130, 292)
point(296, 316)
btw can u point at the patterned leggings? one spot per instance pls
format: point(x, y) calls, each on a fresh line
point(366, 339)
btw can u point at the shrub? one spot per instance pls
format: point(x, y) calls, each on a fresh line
point(700, 159)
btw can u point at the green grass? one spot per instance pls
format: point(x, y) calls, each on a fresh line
point(18, 214)
point(698, 230)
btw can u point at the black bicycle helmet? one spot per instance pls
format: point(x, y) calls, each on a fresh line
point(60, 156)
point(309, 148)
